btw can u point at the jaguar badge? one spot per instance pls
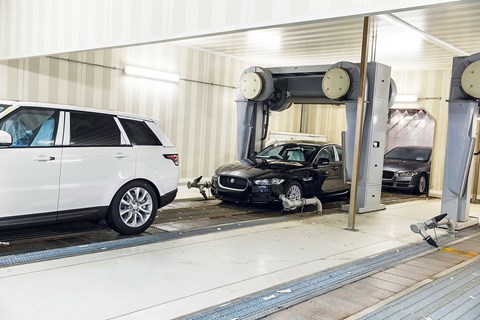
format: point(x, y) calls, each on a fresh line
point(232, 181)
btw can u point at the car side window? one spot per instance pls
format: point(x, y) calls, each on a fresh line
point(327, 153)
point(139, 133)
point(339, 152)
point(93, 129)
point(31, 127)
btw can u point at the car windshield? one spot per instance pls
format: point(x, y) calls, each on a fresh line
point(406, 153)
point(288, 152)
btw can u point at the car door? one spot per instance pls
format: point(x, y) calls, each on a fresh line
point(30, 167)
point(97, 160)
point(329, 170)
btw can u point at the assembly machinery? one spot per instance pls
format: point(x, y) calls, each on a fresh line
point(263, 90)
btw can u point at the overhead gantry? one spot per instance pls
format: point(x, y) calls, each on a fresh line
point(263, 90)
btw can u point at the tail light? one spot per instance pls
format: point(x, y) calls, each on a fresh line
point(173, 157)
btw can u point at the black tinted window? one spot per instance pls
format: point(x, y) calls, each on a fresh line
point(139, 133)
point(90, 129)
point(327, 153)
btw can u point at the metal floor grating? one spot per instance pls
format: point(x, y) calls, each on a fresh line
point(274, 299)
point(456, 295)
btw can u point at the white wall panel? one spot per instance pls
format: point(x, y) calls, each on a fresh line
point(35, 28)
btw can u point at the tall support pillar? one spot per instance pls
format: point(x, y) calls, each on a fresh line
point(250, 127)
point(373, 139)
point(462, 122)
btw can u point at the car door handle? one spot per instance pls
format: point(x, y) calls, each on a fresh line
point(334, 167)
point(43, 158)
point(120, 155)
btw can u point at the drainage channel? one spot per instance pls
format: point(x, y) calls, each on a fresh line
point(55, 253)
point(272, 300)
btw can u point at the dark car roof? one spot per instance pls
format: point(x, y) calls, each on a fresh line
point(301, 142)
point(412, 147)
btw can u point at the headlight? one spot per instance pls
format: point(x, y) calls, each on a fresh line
point(268, 182)
point(407, 174)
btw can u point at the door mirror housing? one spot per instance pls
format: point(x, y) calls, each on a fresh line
point(5, 139)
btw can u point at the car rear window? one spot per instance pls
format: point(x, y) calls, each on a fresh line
point(92, 129)
point(139, 133)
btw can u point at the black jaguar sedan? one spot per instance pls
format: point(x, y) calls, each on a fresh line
point(297, 170)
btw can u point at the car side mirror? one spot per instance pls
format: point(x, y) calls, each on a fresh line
point(5, 139)
point(323, 161)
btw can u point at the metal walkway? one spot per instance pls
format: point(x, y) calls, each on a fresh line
point(414, 282)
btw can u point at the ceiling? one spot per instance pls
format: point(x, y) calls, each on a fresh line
point(327, 42)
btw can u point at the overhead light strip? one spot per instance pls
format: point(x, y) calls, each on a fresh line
point(422, 34)
point(151, 74)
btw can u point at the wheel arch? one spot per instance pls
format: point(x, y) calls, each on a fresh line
point(154, 187)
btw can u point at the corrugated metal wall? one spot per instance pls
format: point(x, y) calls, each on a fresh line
point(199, 118)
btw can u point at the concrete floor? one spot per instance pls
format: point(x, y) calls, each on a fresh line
point(170, 279)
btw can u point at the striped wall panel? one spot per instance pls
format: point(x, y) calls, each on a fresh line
point(199, 118)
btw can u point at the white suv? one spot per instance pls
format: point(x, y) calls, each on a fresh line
point(63, 163)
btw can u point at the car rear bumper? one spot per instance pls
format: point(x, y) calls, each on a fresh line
point(167, 198)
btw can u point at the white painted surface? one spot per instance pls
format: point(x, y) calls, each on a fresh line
point(56, 26)
point(174, 278)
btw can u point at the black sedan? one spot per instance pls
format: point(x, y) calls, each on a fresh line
point(407, 168)
point(297, 170)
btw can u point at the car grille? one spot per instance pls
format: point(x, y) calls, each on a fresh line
point(234, 183)
point(388, 174)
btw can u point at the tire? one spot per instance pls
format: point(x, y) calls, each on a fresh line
point(294, 191)
point(133, 208)
point(422, 184)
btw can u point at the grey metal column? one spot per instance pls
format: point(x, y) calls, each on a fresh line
point(375, 126)
point(462, 121)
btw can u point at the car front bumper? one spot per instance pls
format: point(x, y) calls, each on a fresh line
point(252, 194)
point(399, 182)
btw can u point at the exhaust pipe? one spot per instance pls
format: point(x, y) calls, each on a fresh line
point(289, 205)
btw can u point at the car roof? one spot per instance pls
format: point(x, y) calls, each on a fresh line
point(301, 142)
point(412, 147)
point(73, 108)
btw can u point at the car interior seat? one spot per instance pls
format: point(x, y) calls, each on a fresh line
point(45, 134)
point(296, 155)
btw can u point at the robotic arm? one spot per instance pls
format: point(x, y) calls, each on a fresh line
point(431, 223)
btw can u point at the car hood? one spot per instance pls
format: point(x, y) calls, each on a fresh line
point(257, 168)
point(402, 165)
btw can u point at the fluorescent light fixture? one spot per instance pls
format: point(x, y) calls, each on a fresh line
point(406, 98)
point(151, 74)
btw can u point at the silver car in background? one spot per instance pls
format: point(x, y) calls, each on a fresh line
point(407, 168)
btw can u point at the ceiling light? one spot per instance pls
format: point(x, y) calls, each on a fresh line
point(406, 98)
point(151, 74)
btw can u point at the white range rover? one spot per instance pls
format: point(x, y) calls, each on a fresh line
point(62, 163)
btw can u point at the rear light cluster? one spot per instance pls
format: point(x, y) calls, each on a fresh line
point(173, 157)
